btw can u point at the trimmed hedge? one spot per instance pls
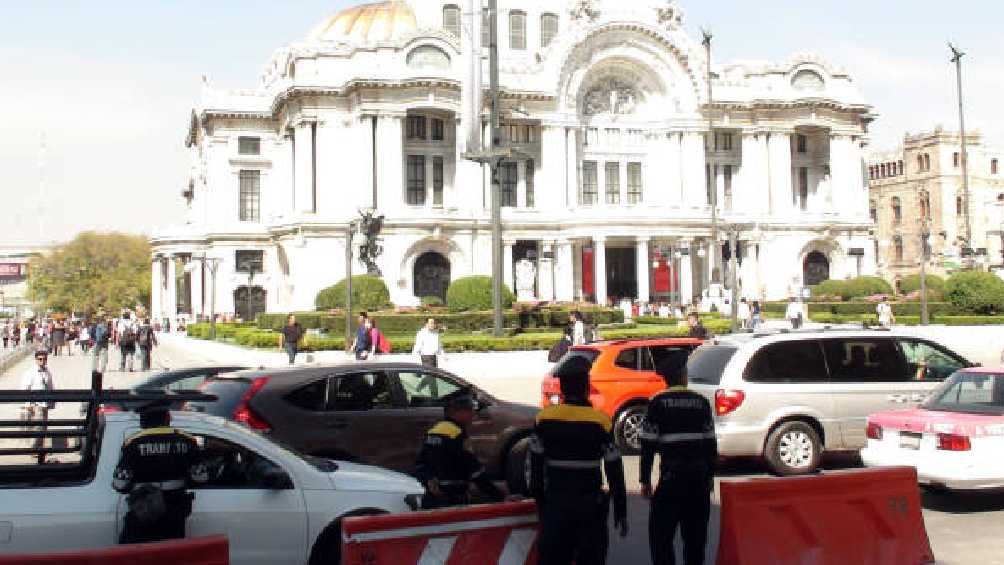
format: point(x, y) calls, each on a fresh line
point(470, 294)
point(368, 293)
point(863, 308)
point(976, 291)
point(853, 288)
point(946, 320)
point(911, 283)
point(223, 330)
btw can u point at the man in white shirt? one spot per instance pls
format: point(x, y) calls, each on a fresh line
point(428, 346)
point(38, 378)
point(743, 314)
point(885, 315)
point(578, 329)
point(794, 313)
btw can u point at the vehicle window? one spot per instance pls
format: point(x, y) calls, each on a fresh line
point(313, 396)
point(424, 389)
point(188, 383)
point(978, 393)
point(927, 362)
point(359, 391)
point(628, 358)
point(228, 393)
point(707, 363)
point(588, 354)
point(231, 466)
point(659, 353)
point(646, 360)
point(864, 360)
point(798, 361)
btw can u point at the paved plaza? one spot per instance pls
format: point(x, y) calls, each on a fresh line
point(955, 522)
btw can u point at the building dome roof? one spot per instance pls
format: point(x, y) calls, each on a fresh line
point(367, 23)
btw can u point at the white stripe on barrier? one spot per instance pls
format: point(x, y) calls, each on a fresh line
point(437, 551)
point(517, 547)
point(442, 529)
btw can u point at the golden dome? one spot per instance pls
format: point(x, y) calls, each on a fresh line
point(367, 23)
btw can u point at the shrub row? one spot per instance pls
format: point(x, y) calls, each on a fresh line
point(368, 293)
point(852, 288)
point(863, 308)
point(945, 320)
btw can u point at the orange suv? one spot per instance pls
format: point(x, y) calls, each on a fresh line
point(622, 380)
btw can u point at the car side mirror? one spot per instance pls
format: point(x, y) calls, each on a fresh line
point(480, 403)
point(277, 479)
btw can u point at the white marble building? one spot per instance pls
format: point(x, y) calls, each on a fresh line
point(607, 104)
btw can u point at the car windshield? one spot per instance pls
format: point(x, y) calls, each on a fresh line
point(971, 393)
point(707, 363)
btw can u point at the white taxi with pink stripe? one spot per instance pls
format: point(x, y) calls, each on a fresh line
point(955, 440)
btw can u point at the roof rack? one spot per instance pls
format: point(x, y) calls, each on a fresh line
point(85, 429)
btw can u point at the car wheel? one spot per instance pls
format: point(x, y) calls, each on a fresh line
point(627, 429)
point(517, 467)
point(793, 448)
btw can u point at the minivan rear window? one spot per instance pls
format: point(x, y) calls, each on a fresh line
point(587, 354)
point(228, 393)
point(707, 363)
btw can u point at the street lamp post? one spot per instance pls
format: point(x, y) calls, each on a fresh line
point(713, 196)
point(733, 261)
point(350, 231)
point(925, 235)
point(214, 265)
point(963, 160)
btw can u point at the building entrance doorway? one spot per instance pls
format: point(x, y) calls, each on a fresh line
point(622, 273)
point(431, 276)
point(249, 301)
point(816, 269)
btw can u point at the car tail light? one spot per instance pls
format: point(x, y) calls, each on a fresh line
point(953, 442)
point(727, 401)
point(245, 414)
point(874, 431)
point(108, 408)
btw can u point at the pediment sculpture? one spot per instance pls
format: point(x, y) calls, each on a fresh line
point(611, 96)
point(584, 9)
point(670, 15)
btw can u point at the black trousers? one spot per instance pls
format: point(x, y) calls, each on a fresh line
point(171, 526)
point(687, 506)
point(573, 529)
point(430, 361)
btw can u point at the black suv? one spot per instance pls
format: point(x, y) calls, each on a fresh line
point(374, 413)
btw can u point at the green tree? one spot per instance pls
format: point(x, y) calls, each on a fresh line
point(95, 271)
point(475, 293)
point(976, 291)
point(368, 293)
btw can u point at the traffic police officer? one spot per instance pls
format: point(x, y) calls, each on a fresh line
point(156, 466)
point(445, 467)
point(571, 442)
point(680, 427)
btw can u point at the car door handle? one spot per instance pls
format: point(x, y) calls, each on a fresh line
point(339, 424)
point(899, 398)
point(918, 397)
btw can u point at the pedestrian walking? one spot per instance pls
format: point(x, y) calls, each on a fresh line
point(58, 336)
point(885, 316)
point(125, 337)
point(558, 350)
point(102, 335)
point(6, 334)
point(445, 467)
point(38, 378)
point(292, 333)
point(743, 314)
point(378, 342)
point(428, 344)
point(756, 312)
point(361, 344)
point(695, 327)
point(578, 329)
point(794, 313)
point(570, 450)
point(679, 426)
point(146, 340)
point(155, 468)
point(84, 338)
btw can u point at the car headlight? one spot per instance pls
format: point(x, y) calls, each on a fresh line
point(555, 399)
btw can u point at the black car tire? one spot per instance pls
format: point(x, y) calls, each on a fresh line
point(516, 467)
point(328, 547)
point(793, 448)
point(628, 427)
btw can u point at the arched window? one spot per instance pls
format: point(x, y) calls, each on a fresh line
point(897, 209)
point(925, 205)
point(897, 245)
point(548, 28)
point(927, 161)
point(517, 29)
point(451, 19)
point(899, 168)
point(871, 172)
point(873, 211)
point(920, 163)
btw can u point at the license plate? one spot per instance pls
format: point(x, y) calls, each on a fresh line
point(909, 440)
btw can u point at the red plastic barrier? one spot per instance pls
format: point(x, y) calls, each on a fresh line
point(492, 533)
point(212, 550)
point(868, 516)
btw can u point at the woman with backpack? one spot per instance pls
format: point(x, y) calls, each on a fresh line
point(378, 342)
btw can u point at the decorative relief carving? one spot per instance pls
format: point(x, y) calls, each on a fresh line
point(670, 15)
point(611, 96)
point(584, 9)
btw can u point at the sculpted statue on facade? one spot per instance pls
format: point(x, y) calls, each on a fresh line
point(370, 226)
point(584, 9)
point(670, 15)
point(610, 96)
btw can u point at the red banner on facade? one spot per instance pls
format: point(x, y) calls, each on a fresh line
point(587, 271)
point(13, 270)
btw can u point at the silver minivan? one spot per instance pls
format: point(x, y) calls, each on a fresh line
point(789, 396)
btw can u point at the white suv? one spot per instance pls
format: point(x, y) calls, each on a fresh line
point(789, 396)
point(275, 505)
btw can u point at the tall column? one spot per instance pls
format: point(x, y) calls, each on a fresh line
point(507, 276)
point(545, 272)
point(642, 260)
point(564, 274)
point(693, 163)
point(600, 269)
point(390, 161)
point(571, 168)
point(843, 172)
point(303, 192)
point(551, 187)
point(170, 309)
point(156, 288)
point(196, 294)
point(686, 272)
point(668, 160)
point(779, 171)
point(749, 189)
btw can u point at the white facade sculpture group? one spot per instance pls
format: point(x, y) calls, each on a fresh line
point(606, 106)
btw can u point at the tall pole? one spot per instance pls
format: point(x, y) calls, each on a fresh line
point(493, 87)
point(924, 234)
point(349, 232)
point(733, 262)
point(713, 196)
point(214, 264)
point(957, 59)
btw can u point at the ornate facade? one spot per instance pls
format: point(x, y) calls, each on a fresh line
point(607, 194)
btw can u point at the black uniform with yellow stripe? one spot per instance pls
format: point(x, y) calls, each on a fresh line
point(444, 459)
point(571, 447)
point(156, 466)
point(680, 427)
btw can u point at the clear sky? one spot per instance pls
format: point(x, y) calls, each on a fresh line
point(112, 82)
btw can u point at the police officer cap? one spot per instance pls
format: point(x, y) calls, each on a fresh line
point(574, 368)
point(154, 407)
point(460, 399)
point(672, 367)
